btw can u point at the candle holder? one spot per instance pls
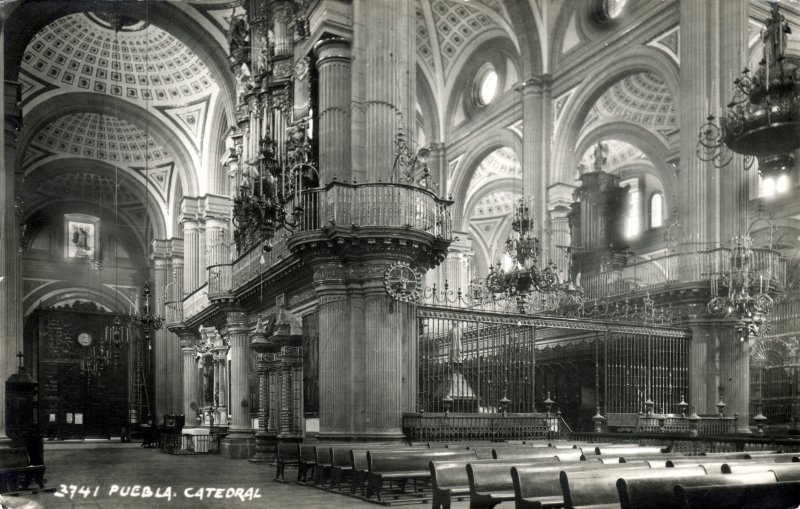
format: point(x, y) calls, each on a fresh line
point(598, 421)
point(760, 419)
point(447, 402)
point(548, 404)
point(648, 407)
point(682, 406)
point(694, 420)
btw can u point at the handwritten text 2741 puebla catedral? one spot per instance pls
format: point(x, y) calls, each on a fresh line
point(158, 492)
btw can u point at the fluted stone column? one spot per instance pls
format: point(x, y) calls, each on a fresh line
point(202, 258)
point(718, 359)
point(368, 368)
point(174, 358)
point(333, 68)
point(558, 206)
point(10, 260)
point(240, 443)
point(384, 82)
point(536, 132)
point(191, 382)
point(191, 256)
point(454, 269)
point(711, 203)
point(159, 338)
point(437, 165)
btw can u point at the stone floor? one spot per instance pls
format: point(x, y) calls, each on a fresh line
point(94, 475)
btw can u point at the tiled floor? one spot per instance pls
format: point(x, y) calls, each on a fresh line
point(100, 471)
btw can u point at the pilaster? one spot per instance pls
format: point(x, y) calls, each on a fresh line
point(240, 443)
point(188, 341)
point(161, 377)
point(333, 68)
point(10, 260)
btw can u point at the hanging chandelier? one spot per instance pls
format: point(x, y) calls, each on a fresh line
point(762, 121)
point(741, 282)
point(145, 318)
point(524, 248)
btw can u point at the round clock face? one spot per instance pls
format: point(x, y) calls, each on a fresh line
point(84, 339)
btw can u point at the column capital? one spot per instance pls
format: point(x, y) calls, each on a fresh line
point(559, 196)
point(215, 207)
point(175, 248)
point(160, 250)
point(536, 85)
point(332, 48)
point(236, 321)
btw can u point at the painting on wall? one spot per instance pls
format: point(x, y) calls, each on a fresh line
point(81, 233)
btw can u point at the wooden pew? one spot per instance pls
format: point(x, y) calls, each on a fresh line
point(537, 486)
point(288, 454)
point(659, 493)
point(17, 472)
point(712, 466)
point(360, 467)
point(450, 479)
point(563, 455)
point(783, 471)
point(628, 451)
point(404, 466)
point(584, 489)
point(306, 462)
point(780, 495)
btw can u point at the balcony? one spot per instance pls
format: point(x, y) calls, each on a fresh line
point(667, 271)
point(195, 302)
point(220, 282)
point(341, 205)
point(255, 262)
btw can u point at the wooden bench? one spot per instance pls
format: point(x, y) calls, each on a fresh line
point(359, 466)
point(598, 488)
point(450, 480)
point(405, 466)
point(659, 493)
point(491, 483)
point(780, 495)
point(342, 462)
point(16, 471)
point(783, 471)
point(628, 451)
point(306, 462)
point(540, 486)
point(712, 466)
point(524, 454)
point(288, 454)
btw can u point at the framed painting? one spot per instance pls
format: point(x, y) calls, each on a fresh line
point(81, 234)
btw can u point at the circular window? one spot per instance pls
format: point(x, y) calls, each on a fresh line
point(485, 85)
point(609, 10)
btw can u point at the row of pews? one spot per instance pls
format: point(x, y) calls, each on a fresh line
point(542, 474)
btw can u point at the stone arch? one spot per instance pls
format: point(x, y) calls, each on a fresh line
point(53, 295)
point(29, 16)
point(87, 102)
point(472, 159)
point(528, 30)
point(599, 79)
point(650, 144)
point(430, 107)
point(75, 164)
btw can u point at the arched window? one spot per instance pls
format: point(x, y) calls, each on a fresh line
point(656, 210)
point(485, 85)
point(633, 224)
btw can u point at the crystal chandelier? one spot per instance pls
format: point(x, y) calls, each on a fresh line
point(741, 281)
point(523, 247)
point(763, 118)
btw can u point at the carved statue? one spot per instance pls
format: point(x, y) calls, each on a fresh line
point(775, 35)
point(455, 343)
point(239, 33)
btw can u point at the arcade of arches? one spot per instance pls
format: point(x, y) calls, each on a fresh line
point(306, 187)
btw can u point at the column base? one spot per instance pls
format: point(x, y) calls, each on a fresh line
point(239, 445)
point(266, 448)
point(744, 430)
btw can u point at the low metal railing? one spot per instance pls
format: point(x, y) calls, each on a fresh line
point(707, 425)
point(188, 445)
point(450, 426)
point(679, 268)
point(682, 443)
point(173, 312)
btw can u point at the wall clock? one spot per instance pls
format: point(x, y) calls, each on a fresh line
point(84, 339)
point(402, 282)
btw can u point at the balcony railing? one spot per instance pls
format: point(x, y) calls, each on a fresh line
point(379, 205)
point(174, 312)
point(255, 262)
point(195, 302)
point(667, 270)
point(220, 281)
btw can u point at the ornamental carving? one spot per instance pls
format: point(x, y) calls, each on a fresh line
point(402, 282)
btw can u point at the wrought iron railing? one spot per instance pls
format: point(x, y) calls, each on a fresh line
point(195, 302)
point(255, 262)
point(670, 423)
point(173, 312)
point(683, 443)
point(220, 281)
point(182, 445)
point(677, 268)
point(375, 204)
point(444, 426)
